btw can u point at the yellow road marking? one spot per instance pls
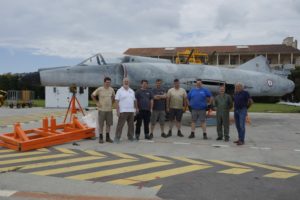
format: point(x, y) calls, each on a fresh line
point(293, 167)
point(94, 153)
point(157, 187)
point(22, 154)
point(65, 150)
point(228, 164)
point(120, 170)
point(235, 171)
point(6, 151)
point(281, 175)
point(123, 155)
point(159, 174)
point(267, 166)
point(156, 158)
point(43, 149)
point(81, 167)
point(195, 162)
point(51, 163)
point(19, 160)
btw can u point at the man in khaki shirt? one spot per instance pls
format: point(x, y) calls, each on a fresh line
point(176, 102)
point(106, 97)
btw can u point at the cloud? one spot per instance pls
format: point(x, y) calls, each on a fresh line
point(78, 28)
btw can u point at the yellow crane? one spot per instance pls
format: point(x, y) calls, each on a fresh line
point(191, 56)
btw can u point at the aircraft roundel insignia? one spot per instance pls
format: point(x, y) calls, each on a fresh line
point(270, 83)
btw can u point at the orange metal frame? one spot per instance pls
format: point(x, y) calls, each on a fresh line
point(24, 140)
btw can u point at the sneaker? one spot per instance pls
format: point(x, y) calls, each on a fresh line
point(226, 139)
point(240, 143)
point(137, 138)
point(205, 136)
point(169, 133)
point(164, 135)
point(151, 135)
point(147, 137)
point(108, 138)
point(237, 141)
point(219, 138)
point(179, 134)
point(101, 139)
point(192, 135)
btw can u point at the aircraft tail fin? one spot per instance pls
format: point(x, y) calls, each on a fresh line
point(259, 64)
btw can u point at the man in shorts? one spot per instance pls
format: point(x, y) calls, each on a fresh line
point(106, 97)
point(176, 102)
point(159, 108)
point(198, 98)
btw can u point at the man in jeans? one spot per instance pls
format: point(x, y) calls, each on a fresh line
point(159, 108)
point(198, 98)
point(242, 101)
point(144, 100)
point(126, 107)
point(176, 102)
point(106, 98)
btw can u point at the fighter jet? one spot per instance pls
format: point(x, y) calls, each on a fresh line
point(256, 75)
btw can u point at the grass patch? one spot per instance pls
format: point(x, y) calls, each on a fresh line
point(39, 103)
point(274, 108)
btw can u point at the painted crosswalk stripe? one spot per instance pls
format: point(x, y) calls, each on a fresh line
point(6, 151)
point(229, 164)
point(7, 193)
point(94, 153)
point(22, 154)
point(36, 158)
point(120, 170)
point(51, 163)
point(44, 149)
point(157, 187)
point(82, 167)
point(156, 158)
point(65, 150)
point(159, 174)
point(123, 155)
point(281, 175)
point(266, 166)
point(235, 171)
point(293, 167)
point(188, 160)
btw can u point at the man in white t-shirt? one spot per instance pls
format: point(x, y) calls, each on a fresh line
point(106, 98)
point(126, 107)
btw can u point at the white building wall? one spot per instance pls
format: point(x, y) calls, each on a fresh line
point(60, 97)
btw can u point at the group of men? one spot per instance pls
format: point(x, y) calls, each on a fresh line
point(149, 106)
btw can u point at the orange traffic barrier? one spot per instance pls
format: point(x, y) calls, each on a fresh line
point(24, 140)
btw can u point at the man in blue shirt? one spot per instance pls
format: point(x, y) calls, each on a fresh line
point(198, 98)
point(242, 101)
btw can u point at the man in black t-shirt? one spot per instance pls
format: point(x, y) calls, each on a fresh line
point(144, 100)
point(159, 108)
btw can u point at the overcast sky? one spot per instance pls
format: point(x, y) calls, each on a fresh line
point(43, 33)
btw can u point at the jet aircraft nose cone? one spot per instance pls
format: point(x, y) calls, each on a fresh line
point(291, 86)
